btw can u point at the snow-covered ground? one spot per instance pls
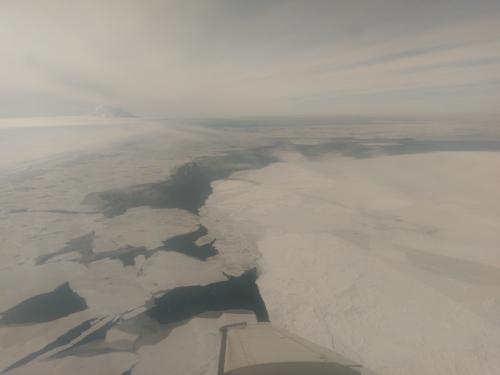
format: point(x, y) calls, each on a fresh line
point(379, 242)
point(392, 261)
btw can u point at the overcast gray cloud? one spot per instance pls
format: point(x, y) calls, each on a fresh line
point(217, 58)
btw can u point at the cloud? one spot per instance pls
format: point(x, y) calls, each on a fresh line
point(217, 58)
point(107, 111)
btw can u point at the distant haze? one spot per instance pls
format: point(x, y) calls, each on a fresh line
point(107, 111)
point(241, 58)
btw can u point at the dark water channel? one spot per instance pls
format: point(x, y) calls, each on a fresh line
point(185, 302)
point(45, 307)
point(188, 188)
point(186, 244)
point(62, 340)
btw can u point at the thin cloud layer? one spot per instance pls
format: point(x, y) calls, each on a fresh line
point(218, 58)
point(107, 111)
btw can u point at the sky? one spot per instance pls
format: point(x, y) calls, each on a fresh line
point(181, 59)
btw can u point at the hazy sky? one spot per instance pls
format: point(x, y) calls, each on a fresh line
point(225, 58)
